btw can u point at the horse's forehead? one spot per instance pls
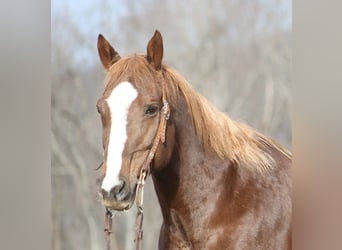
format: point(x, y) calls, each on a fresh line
point(122, 89)
point(121, 97)
point(146, 91)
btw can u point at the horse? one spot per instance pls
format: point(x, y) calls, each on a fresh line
point(220, 183)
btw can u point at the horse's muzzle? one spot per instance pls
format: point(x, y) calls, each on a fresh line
point(120, 197)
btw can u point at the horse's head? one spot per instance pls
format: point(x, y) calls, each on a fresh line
point(131, 110)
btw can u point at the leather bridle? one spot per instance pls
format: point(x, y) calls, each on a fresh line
point(144, 172)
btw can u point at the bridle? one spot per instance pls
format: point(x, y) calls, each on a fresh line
point(144, 172)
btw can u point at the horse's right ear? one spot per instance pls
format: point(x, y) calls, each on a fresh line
point(107, 54)
point(155, 50)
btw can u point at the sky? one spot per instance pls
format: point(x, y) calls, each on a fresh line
point(104, 17)
point(83, 11)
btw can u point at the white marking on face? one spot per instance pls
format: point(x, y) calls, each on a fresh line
point(119, 102)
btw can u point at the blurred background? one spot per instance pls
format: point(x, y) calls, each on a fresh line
point(236, 53)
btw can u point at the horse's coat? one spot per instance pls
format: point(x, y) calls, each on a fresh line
point(220, 184)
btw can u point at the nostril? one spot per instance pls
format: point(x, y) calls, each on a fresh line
point(105, 194)
point(117, 189)
point(121, 191)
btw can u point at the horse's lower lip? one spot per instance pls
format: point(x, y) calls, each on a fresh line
point(118, 206)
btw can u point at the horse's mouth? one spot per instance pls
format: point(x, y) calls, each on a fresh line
point(120, 205)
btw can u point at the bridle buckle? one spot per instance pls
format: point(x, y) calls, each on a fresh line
point(166, 110)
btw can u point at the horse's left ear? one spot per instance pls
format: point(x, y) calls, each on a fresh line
point(155, 50)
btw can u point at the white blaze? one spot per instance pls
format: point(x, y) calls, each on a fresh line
point(119, 102)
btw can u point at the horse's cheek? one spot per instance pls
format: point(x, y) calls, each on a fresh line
point(165, 151)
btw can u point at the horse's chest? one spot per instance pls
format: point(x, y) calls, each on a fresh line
point(182, 235)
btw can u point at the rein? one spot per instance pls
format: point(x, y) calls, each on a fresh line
point(144, 172)
point(108, 227)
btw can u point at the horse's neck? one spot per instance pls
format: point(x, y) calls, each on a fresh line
point(189, 186)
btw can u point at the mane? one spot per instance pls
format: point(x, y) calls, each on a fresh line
point(215, 130)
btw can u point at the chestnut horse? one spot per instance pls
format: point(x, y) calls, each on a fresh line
point(220, 184)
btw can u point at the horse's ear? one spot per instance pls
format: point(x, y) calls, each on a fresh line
point(107, 54)
point(155, 50)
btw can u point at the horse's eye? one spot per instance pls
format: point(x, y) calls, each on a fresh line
point(151, 110)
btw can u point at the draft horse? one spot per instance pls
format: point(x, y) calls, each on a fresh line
point(220, 184)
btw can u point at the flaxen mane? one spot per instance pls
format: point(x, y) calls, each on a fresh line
point(216, 131)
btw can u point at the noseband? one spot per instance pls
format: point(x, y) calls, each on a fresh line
point(144, 172)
